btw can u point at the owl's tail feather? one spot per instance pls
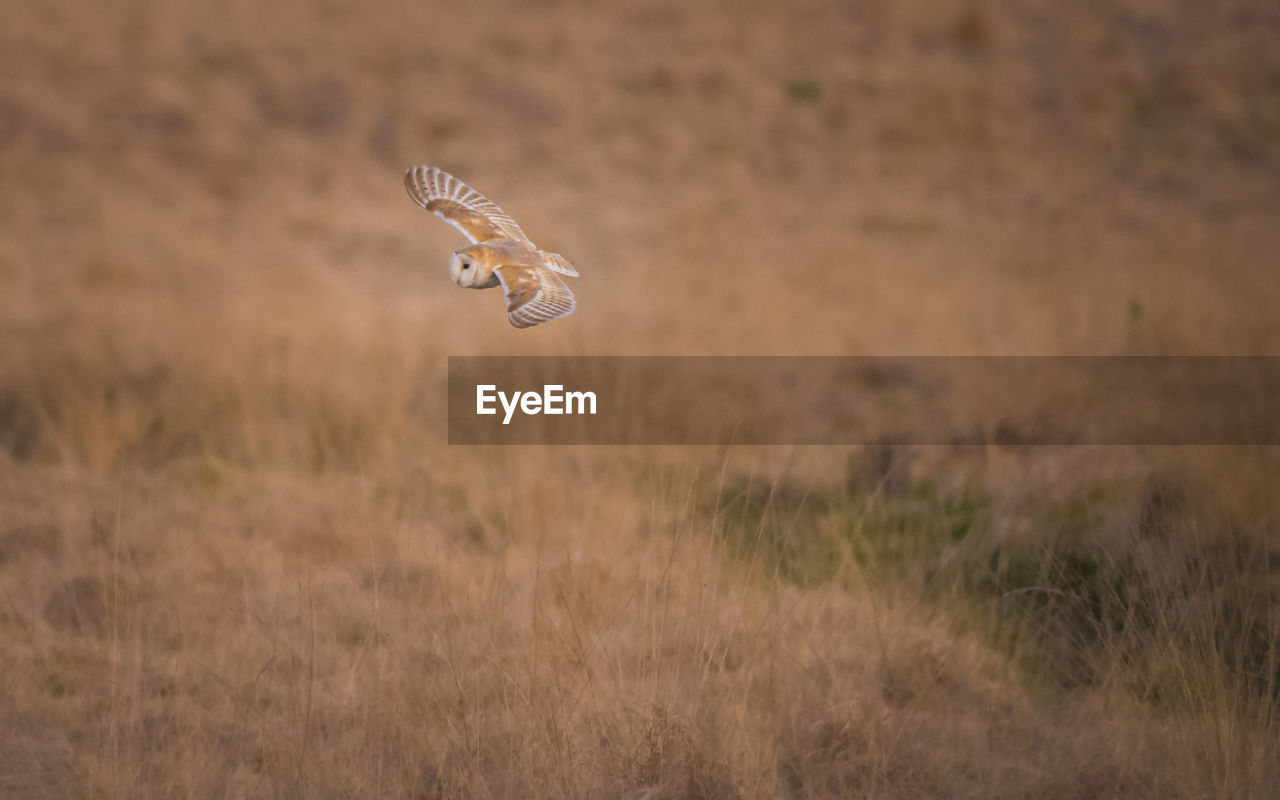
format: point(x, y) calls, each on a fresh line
point(558, 263)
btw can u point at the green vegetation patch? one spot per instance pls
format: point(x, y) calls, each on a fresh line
point(1126, 588)
point(806, 533)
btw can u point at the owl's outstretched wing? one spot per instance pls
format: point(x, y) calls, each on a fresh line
point(534, 294)
point(558, 263)
point(458, 204)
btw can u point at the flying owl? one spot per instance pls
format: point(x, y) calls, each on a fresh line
point(500, 253)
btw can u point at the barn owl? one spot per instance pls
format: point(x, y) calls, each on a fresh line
point(500, 253)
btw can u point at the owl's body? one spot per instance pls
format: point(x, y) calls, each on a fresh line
point(500, 254)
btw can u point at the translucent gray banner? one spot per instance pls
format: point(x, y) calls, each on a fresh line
point(760, 400)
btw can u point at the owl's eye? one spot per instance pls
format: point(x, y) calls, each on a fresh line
point(465, 265)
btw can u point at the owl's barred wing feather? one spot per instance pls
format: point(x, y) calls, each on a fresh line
point(534, 295)
point(558, 263)
point(458, 204)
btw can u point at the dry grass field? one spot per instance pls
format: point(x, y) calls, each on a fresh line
point(237, 558)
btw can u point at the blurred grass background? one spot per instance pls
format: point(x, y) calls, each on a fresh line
point(237, 559)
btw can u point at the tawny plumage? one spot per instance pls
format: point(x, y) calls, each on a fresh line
point(500, 252)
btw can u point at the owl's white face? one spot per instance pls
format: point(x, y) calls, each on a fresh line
point(469, 271)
